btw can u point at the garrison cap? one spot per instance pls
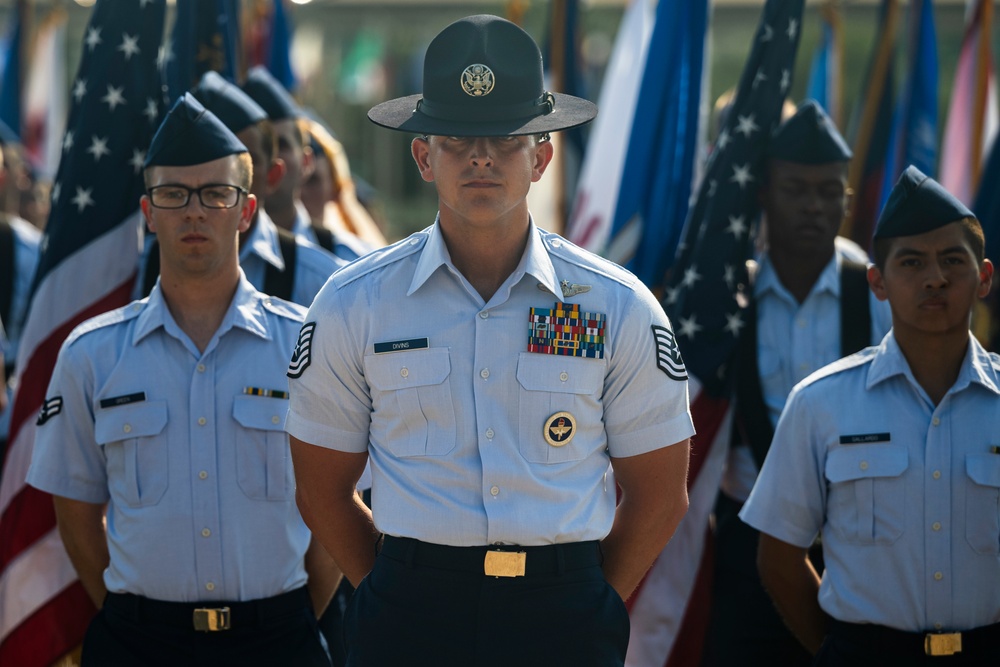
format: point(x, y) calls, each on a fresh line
point(808, 137)
point(483, 77)
point(235, 109)
point(918, 204)
point(270, 94)
point(189, 135)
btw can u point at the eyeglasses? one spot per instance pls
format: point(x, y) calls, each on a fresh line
point(213, 195)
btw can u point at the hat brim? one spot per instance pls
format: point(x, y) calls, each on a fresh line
point(402, 114)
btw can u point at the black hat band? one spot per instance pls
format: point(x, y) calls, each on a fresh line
point(543, 105)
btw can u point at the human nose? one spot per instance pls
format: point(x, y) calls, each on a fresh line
point(482, 152)
point(935, 277)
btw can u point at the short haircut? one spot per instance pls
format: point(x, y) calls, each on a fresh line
point(971, 228)
point(269, 140)
point(244, 171)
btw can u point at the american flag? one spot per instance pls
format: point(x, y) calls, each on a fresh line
point(705, 299)
point(87, 266)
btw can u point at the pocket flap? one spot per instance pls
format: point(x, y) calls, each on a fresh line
point(134, 420)
point(983, 469)
point(864, 461)
point(559, 374)
point(403, 370)
point(262, 412)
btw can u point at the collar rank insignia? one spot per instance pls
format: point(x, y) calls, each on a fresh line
point(566, 330)
point(668, 355)
point(572, 289)
point(560, 429)
point(50, 408)
point(302, 356)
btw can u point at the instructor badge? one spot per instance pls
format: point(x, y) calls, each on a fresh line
point(560, 429)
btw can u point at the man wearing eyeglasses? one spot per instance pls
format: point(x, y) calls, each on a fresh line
point(169, 411)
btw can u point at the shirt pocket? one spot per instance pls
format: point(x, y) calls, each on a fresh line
point(263, 458)
point(550, 384)
point(413, 413)
point(866, 500)
point(982, 503)
point(136, 451)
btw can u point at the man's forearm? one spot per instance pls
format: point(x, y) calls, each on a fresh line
point(81, 528)
point(324, 576)
point(345, 528)
point(793, 584)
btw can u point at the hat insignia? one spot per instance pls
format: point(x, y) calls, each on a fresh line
point(477, 80)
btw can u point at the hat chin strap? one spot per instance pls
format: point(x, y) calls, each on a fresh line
point(543, 105)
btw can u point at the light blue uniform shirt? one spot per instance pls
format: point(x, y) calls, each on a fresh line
point(454, 426)
point(793, 341)
point(906, 494)
point(27, 238)
point(347, 247)
point(196, 471)
point(313, 265)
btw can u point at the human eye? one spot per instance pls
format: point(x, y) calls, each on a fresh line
point(217, 196)
point(167, 195)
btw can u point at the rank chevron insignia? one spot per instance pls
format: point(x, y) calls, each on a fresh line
point(302, 355)
point(668, 356)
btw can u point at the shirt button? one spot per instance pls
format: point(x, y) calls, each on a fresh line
point(938, 576)
point(404, 372)
point(936, 421)
point(495, 491)
point(801, 323)
point(205, 532)
point(210, 586)
point(127, 428)
point(201, 368)
point(804, 366)
point(937, 474)
point(864, 465)
point(275, 419)
point(202, 421)
point(485, 373)
point(564, 376)
point(484, 314)
point(414, 241)
point(938, 626)
point(489, 433)
point(556, 243)
point(936, 525)
point(203, 475)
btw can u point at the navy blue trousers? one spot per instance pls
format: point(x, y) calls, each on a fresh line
point(407, 614)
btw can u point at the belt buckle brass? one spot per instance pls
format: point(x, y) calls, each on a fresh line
point(211, 620)
point(940, 644)
point(505, 563)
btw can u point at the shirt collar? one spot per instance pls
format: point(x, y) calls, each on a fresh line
point(263, 242)
point(768, 281)
point(977, 367)
point(246, 311)
point(535, 261)
point(302, 224)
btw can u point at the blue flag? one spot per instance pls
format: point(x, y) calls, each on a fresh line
point(659, 163)
point(205, 37)
point(10, 86)
point(915, 120)
point(706, 293)
point(279, 61)
point(822, 71)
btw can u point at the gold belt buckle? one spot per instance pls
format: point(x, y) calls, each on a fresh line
point(939, 644)
point(505, 563)
point(211, 620)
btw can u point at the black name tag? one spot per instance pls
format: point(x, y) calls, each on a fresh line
point(401, 345)
point(115, 401)
point(864, 438)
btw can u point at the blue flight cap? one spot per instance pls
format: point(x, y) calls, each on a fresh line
point(918, 204)
point(808, 137)
point(189, 135)
point(270, 94)
point(235, 109)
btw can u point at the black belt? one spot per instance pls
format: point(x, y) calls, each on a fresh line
point(207, 616)
point(495, 561)
point(970, 643)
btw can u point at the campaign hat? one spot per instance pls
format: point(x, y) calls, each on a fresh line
point(483, 77)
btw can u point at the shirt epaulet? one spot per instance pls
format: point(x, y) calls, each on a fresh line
point(380, 258)
point(574, 254)
point(286, 309)
point(110, 318)
point(844, 364)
